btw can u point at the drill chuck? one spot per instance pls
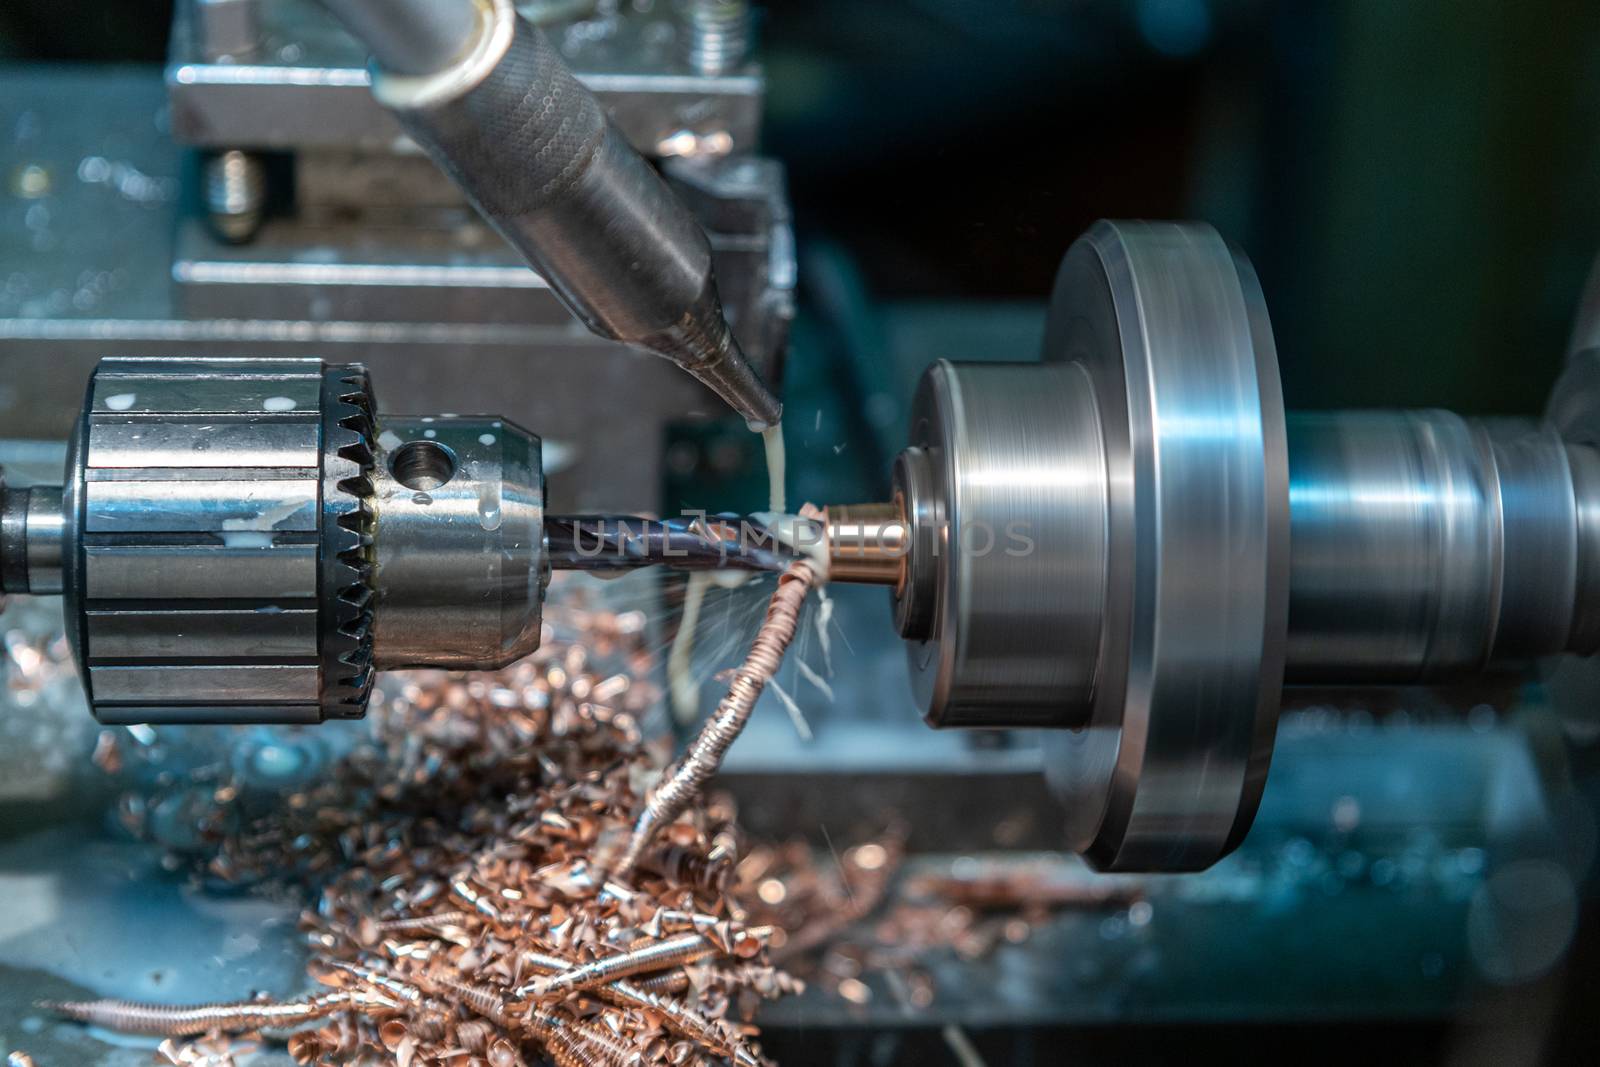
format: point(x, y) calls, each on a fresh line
point(240, 541)
point(249, 540)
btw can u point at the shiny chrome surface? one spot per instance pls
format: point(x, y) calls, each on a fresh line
point(1573, 410)
point(282, 388)
point(1538, 511)
point(45, 533)
point(238, 544)
point(459, 543)
point(32, 535)
point(1426, 546)
point(1584, 463)
point(1198, 545)
point(1395, 554)
point(206, 684)
point(1016, 461)
point(1173, 332)
point(532, 149)
point(13, 539)
point(195, 518)
point(164, 503)
point(237, 632)
point(410, 36)
point(916, 598)
point(175, 572)
point(197, 443)
point(1100, 542)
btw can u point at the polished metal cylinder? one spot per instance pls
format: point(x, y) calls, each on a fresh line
point(1393, 561)
point(868, 543)
point(45, 534)
point(238, 543)
point(1584, 463)
point(916, 597)
point(1020, 567)
point(13, 538)
point(203, 530)
point(1100, 543)
point(460, 567)
point(33, 539)
point(1188, 547)
point(1539, 541)
point(531, 147)
point(413, 37)
point(1425, 546)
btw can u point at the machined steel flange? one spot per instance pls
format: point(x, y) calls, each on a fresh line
point(1129, 542)
point(1170, 326)
point(1100, 544)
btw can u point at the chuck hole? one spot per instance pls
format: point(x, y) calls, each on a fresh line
point(422, 464)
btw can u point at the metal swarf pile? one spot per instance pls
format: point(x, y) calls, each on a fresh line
point(464, 914)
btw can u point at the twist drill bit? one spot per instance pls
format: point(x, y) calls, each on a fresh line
point(615, 543)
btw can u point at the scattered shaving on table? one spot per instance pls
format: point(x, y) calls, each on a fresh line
point(462, 911)
point(858, 914)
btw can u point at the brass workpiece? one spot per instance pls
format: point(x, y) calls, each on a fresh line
point(868, 543)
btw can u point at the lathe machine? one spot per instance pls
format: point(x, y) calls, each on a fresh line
point(1127, 542)
point(1108, 557)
